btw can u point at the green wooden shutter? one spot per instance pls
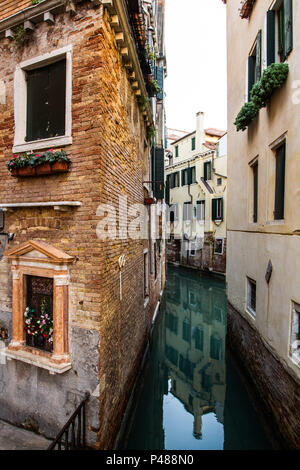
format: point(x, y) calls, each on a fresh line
point(258, 57)
point(270, 37)
point(189, 175)
point(159, 173)
point(251, 74)
point(214, 209)
point(288, 27)
point(206, 170)
point(221, 208)
point(168, 190)
point(280, 183)
point(255, 192)
point(193, 143)
point(281, 35)
point(182, 178)
point(209, 170)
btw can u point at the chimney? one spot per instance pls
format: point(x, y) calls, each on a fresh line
point(200, 134)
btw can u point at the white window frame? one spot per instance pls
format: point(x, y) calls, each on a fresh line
point(202, 205)
point(219, 238)
point(20, 101)
point(249, 309)
point(192, 247)
point(294, 344)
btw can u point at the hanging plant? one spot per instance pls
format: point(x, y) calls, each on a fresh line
point(273, 77)
point(36, 2)
point(246, 115)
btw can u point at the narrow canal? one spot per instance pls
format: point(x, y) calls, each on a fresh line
point(191, 396)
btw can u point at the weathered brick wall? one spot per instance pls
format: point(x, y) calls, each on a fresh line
point(9, 7)
point(204, 259)
point(277, 388)
point(107, 160)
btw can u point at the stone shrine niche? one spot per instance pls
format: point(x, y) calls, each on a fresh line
point(40, 299)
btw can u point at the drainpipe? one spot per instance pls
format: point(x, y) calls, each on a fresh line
point(191, 198)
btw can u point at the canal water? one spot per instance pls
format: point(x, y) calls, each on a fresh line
point(191, 396)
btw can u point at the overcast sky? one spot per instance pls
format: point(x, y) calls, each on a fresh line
point(196, 60)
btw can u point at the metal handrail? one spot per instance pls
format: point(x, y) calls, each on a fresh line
point(76, 439)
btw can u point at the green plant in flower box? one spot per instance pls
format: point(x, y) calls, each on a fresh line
point(273, 77)
point(32, 159)
point(246, 115)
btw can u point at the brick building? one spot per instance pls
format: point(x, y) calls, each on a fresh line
point(81, 88)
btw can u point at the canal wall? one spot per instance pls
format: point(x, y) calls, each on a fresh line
point(277, 386)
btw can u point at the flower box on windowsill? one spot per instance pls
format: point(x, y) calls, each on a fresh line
point(42, 170)
point(31, 164)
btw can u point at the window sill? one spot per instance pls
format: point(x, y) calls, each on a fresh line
point(43, 144)
point(251, 312)
point(275, 222)
point(40, 359)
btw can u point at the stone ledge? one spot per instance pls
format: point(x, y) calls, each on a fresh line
point(38, 361)
point(58, 205)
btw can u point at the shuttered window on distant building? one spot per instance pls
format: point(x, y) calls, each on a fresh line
point(217, 209)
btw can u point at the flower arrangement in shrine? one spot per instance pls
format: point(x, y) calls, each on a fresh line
point(39, 324)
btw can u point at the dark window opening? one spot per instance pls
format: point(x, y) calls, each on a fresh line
point(193, 143)
point(207, 171)
point(46, 101)
point(279, 183)
point(255, 191)
point(254, 64)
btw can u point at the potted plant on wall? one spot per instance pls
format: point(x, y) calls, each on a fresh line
point(47, 163)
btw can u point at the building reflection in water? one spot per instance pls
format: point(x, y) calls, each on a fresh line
point(195, 330)
point(182, 398)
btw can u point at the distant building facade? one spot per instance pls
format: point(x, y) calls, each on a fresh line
point(196, 183)
point(263, 243)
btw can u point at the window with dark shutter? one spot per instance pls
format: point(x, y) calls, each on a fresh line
point(254, 64)
point(279, 183)
point(46, 101)
point(176, 152)
point(288, 27)
point(270, 37)
point(158, 155)
point(207, 171)
point(168, 181)
point(255, 191)
point(193, 143)
point(217, 209)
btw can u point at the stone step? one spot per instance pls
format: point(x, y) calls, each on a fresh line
point(14, 438)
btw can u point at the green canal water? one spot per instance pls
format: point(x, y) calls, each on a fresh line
point(191, 395)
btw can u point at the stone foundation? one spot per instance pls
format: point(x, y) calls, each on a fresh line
point(279, 389)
